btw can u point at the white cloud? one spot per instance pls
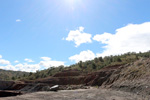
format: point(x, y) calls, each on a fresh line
point(22, 67)
point(28, 60)
point(104, 38)
point(18, 20)
point(8, 67)
point(16, 61)
point(47, 62)
point(5, 62)
point(81, 29)
point(131, 38)
point(79, 37)
point(46, 58)
point(27, 67)
point(0, 56)
point(83, 56)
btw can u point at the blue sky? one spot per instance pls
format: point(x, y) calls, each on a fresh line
point(38, 34)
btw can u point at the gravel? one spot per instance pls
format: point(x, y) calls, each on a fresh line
point(80, 94)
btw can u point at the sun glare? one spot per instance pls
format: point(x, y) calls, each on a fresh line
point(72, 2)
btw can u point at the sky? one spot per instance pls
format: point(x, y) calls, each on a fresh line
point(39, 34)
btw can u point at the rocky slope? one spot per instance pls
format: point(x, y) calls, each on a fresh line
point(9, 75)
point(6, 84)
point(133, 77)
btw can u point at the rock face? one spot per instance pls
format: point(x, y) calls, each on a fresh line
point(62, 80)
point(133, 77)
point(6, 84)
point(69, 73)
point(78, 78)
point(101, 76)
point(71, 77)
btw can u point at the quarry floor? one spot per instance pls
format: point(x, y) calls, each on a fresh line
point(81, 94)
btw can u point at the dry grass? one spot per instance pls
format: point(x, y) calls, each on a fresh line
point(137, 69)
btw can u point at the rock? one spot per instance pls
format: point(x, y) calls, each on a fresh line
point(9, 93)
point(46, 88)
point(5, 84)
point(54, 88)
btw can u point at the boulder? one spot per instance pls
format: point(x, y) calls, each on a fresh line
point(54, 88)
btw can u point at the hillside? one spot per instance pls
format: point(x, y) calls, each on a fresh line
point(84, 67)
point(11, 75)
point(125, 73)
point(91, 65)
point(133, 77)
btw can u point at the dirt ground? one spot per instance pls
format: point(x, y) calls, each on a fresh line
point(81, 94)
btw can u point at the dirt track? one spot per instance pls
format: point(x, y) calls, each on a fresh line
point(86, 94)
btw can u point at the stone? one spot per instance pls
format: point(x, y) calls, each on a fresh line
point(54, 88)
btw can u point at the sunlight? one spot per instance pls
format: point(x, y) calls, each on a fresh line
point(72, 2)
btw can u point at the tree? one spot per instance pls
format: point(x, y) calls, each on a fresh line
point(118, 59)
point(93, 66)
point(13, 78)
point(24, 75)
point(96, 60)
point(101, 59)
point(80, 64)
point(61, 67)
point(30, 73)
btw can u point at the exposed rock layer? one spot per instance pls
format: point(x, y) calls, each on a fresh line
point(133, 77)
